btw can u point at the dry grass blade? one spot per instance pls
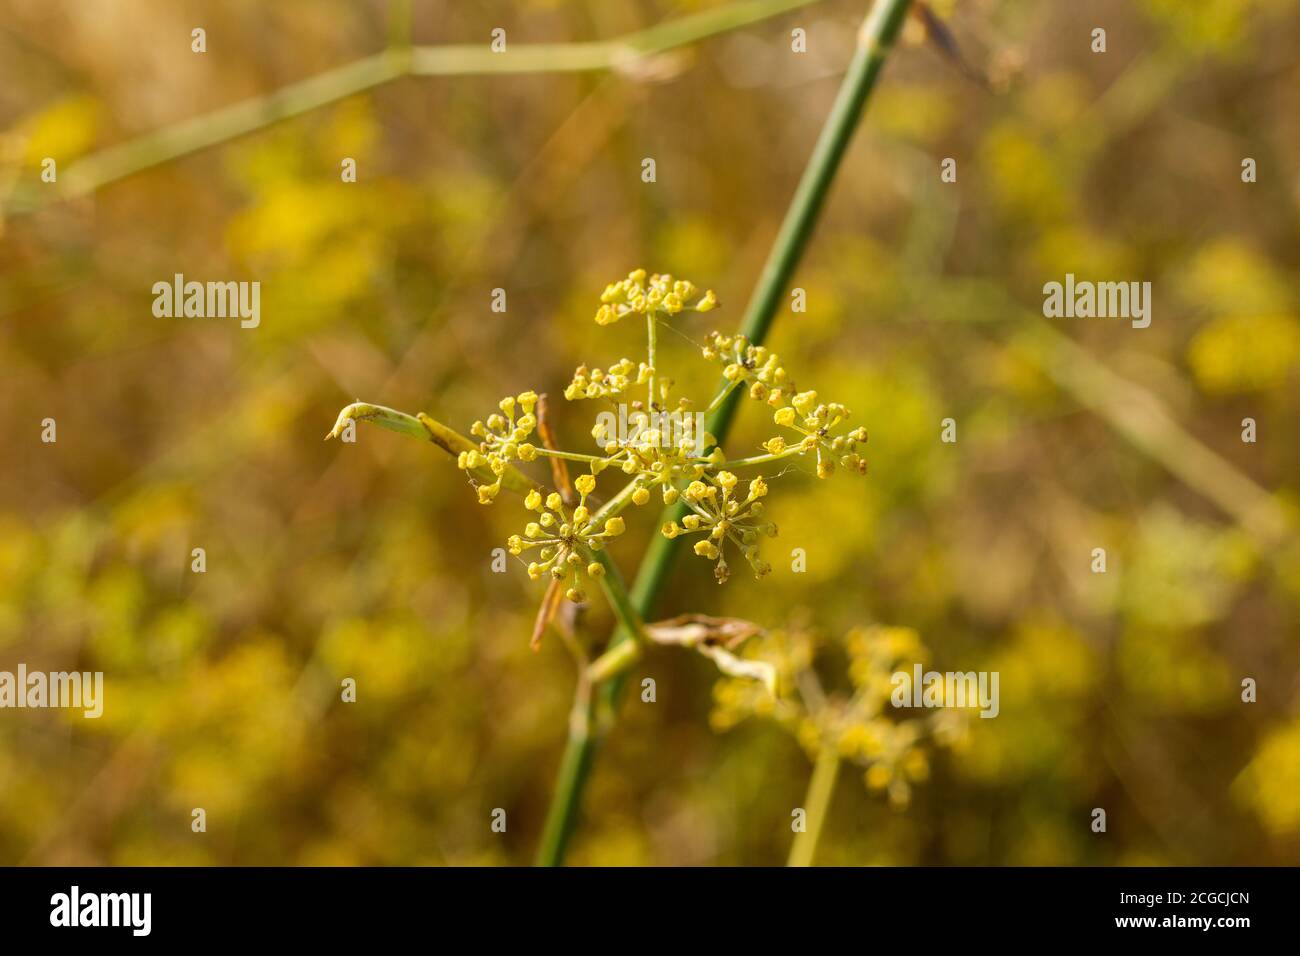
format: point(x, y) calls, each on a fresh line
point(559, 468)
point(941, 38)
point(550, 605)
point(716, 638)
point(694, 630)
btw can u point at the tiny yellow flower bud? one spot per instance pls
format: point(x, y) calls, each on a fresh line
point(596, 569)
point(727, 480)
point(527, 452)
point(706, 549)
point(670, 529)
point(614, 527)
point(784, 417)
point(554, 501)
point(580, 515)
point(533, 500)
point(533, 530)
point(585, 484)
point(805, 402)
point(878, 776)
point(575, 595)
point(640, 496)
point(671, 495)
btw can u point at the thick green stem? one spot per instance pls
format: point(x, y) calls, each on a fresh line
point(577, 757)
point(874, 42)
point(816, 804)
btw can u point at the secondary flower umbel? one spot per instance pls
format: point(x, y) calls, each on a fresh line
point(567, 538)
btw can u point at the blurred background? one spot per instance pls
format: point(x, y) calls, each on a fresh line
point(373, 561)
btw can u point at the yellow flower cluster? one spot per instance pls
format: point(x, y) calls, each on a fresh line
point(858, 720)
point(723, 516)
point(816, 421)
point(652, 296)
point(766, 379)
point(567, 538)
point(660, 450)
point(502, 439)
point(610, 383)
point(743, 362)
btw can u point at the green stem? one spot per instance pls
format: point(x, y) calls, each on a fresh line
point(614, 661)
point(723, 392)
point(569, 455)
point(618, 503)
point(576, 763)
point(764, 459)
point(650, 355)
point(874, 42)
point(816, 804)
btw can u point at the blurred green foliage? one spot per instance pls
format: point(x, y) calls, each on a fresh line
point(372, 560)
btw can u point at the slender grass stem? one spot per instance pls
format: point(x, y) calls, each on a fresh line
point(614, 661)
point(874, 43)
point(764, 459)
point(616, 504)
point(816, 804)
point(723, 392)
point(650, 356)
point(569, 455)
point(96, 170)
